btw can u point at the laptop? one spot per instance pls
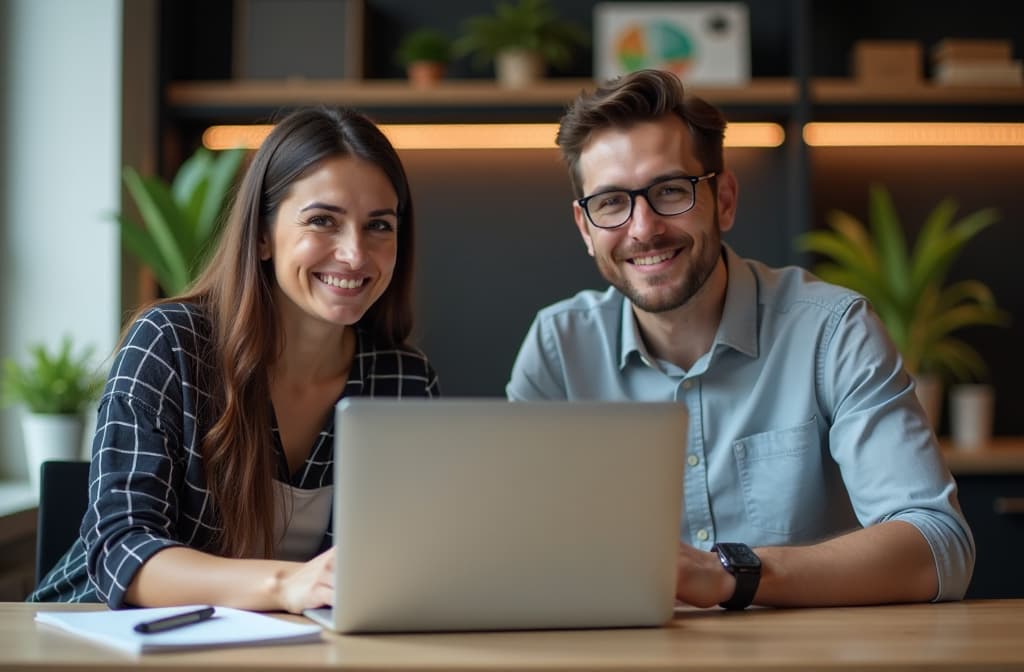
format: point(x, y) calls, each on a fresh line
point(484, 514)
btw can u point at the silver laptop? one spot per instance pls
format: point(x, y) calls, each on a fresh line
point(481, 514)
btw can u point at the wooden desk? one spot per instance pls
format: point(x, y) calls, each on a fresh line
point(982, 635)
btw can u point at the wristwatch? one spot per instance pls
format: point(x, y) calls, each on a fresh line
point(740, 561)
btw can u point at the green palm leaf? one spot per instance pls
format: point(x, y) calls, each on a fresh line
point(908, 291)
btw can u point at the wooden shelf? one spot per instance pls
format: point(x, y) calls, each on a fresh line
point(554, 93)
point(849, 91)
point(1002, 455)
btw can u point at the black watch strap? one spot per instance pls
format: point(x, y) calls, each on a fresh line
point(740, 561)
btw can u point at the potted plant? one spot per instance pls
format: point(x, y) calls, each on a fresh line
point(521, 38)
point(908, 290)
point(55, 388)
point(181, 218)
point(425, 54)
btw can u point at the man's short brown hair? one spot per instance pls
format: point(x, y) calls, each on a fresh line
point(644, 95)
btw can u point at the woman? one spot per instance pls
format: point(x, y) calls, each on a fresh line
point(211, 473)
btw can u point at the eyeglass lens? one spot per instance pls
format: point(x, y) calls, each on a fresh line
point(668, 197)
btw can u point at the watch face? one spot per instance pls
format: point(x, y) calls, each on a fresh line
point(738, 557)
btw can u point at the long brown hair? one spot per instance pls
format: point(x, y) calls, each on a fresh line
point(235, 292)
point(644, 95)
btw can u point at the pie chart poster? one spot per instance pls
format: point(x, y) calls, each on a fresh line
point(702, 43)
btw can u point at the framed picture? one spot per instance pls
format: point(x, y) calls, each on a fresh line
point(701, 42)
point(311, 39)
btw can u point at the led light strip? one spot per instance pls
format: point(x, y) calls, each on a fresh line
point(846, 134)
point(479, 136)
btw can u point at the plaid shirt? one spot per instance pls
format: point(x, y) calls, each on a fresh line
point(147, 488)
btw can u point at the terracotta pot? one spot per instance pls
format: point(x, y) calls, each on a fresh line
point(929, 393)
point(425, 74)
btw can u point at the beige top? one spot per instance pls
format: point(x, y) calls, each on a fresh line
point(301, 518)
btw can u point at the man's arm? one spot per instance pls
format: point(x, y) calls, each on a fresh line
point(537, 373)
point(885, 563)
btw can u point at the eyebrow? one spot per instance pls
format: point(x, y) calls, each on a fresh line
point(317, 205)
point(657, 178)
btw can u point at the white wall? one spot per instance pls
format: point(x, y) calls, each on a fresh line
point(60, 164)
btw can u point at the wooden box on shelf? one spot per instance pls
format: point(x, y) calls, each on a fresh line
point(894, 62)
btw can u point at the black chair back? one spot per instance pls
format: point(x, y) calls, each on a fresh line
point(63, 498)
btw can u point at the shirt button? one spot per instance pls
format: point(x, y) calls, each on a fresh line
point(693, 460)
point(687, 384)
point(702, 534)
point(740, 449)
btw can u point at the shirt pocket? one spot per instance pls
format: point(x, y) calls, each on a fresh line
point(781, 478)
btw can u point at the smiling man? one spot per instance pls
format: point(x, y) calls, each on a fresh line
point(813, 476)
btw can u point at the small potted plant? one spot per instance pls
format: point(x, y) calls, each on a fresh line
point(425, 54)
point(521, 38)
point(55, 388)
point(908, 290)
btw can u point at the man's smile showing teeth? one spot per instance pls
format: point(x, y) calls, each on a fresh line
point(650, 261)
point(343, 283)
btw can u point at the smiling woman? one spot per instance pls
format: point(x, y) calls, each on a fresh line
point(218, 413)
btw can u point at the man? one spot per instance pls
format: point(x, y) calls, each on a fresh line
point(806, 441)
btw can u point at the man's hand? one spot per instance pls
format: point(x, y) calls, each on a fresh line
point(700, 578)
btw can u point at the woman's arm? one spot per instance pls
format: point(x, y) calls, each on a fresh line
point(182, 575)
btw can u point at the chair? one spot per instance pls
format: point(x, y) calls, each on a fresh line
point(63, 498)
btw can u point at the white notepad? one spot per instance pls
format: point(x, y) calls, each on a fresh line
point(227, 627)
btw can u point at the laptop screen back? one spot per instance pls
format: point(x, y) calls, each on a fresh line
point(487, 515)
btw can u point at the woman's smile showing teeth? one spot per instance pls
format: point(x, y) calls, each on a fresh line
point(340, 282)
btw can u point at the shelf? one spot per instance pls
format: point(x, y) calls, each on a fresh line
point(198, 96)
point(553, 93)
point(1002, 455)
point(849, 91)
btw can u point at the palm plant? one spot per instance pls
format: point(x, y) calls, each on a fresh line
point(909, 290)
point(182, 218)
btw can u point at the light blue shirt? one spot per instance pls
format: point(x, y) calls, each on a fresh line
point(803, 422)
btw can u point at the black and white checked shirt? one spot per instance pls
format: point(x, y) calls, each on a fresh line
point(147, 489)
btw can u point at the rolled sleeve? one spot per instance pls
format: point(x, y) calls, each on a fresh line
point(886, 450)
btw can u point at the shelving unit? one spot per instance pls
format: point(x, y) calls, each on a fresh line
point(218, 97)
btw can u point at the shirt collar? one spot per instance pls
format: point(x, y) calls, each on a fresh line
point(737, 330)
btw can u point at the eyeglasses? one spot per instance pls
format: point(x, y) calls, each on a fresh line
point(671, 196)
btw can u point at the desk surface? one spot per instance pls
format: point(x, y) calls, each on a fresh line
point(980, 635)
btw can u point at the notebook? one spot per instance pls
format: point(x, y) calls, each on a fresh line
point(481, 514)
point(227, 627)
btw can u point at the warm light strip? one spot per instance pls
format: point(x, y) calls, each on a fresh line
point(822, 134)
point(479, 136)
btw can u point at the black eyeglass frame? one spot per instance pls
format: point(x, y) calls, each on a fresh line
point(645, 191)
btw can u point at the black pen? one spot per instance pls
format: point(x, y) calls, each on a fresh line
point(175, 621)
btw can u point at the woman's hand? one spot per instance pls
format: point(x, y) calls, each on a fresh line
point(305, 585)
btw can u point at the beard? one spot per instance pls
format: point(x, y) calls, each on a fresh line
point(663, 292)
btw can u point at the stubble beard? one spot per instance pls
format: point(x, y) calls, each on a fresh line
point(659, 299)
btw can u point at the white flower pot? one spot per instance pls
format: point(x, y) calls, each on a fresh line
point(50, 437)
point(517, 68)
point(971, 410)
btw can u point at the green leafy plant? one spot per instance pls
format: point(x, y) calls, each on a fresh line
point(908, 289)
point(57, 382)
point(181, 218)
point(530, 25)
point(424, 44)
